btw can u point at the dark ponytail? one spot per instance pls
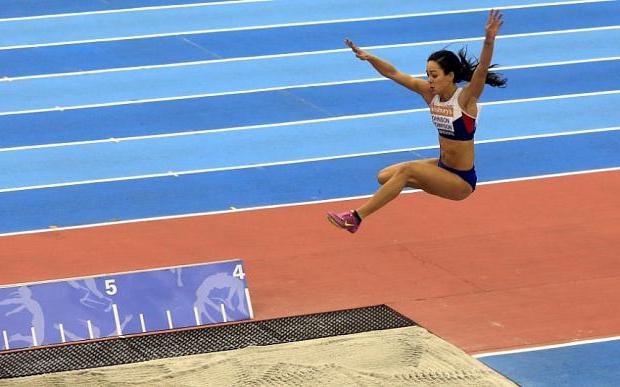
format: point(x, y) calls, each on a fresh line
point(464, 67)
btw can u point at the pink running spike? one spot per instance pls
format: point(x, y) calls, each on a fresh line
point(344, 220)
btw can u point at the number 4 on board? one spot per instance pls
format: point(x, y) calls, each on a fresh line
point(238, 272)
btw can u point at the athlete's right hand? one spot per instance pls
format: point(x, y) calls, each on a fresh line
point(361, 54)
point(493, 23)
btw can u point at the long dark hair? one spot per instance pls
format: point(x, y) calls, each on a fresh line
point(463, 67)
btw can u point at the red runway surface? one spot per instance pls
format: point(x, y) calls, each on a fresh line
point(517, 264)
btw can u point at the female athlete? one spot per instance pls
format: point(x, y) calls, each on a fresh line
point(453, 110)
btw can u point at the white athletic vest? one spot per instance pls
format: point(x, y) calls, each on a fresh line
point(450, 120)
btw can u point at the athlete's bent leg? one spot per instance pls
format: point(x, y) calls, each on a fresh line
point(420, 174)
point(386, 173)
point(423, 175)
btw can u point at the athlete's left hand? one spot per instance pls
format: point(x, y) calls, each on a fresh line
point(493, 23)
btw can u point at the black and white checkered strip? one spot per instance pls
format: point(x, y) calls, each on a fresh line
point(196, 341)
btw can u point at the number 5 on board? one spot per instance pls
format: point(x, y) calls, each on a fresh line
point(110, 287)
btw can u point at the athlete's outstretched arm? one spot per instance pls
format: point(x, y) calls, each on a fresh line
point(478, 79)
point(389, 71)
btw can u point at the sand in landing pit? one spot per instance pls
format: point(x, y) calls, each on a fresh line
point(408, 356)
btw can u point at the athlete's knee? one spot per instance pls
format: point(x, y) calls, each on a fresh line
point(409, 171)
point(385, 174)
point(409, 174)
point(383, 177)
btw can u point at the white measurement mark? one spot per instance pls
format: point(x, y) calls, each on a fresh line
point(247, 298)
point(223, 313)
point(62, 333)
point(142, 324)
point(169, 319)
point(90, 329)
point(6, 340)
point(117, 320)
point(197, 316)
point(34, 337)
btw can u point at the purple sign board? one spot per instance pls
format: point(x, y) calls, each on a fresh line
point(77, 309)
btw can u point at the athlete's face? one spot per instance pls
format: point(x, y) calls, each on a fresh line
point(438, 81)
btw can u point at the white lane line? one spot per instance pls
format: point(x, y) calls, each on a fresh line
point(559, 63)
point(221, 130)
point(548, 98)
point(546, 347)
point(550, 175)
point(142, 323)
point(90, 329)
point(298, 24)
point(291, 87)
point(223, 311)
point(298, 54)
point(169, 316)
point(34, 337)
point(208, 213)
point(291, 162)
point(249, 301)
point(128, 10)
point(197, 316)
point(499, 37)
point(193, 96)
point(61, 328)
point(294, 123)
point(117, 320)
point(6, 340)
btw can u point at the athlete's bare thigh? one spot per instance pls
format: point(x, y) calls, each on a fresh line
point(429, 177)
point(386, 173)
